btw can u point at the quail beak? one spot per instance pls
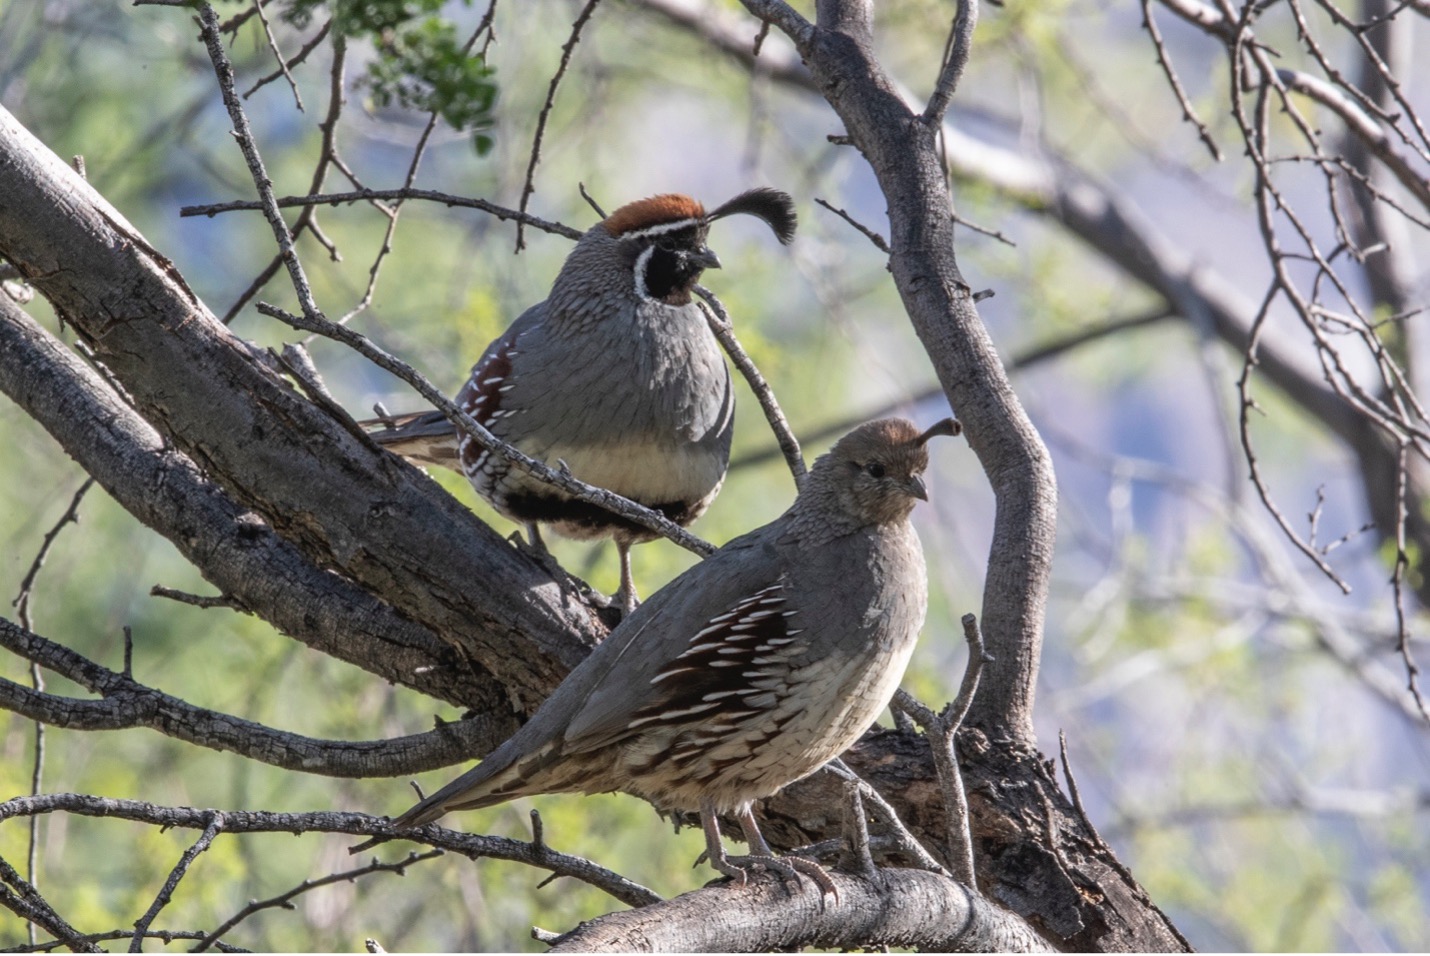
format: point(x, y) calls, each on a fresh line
point(916, 487)
point(706, 258)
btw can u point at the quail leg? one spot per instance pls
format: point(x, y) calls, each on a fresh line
point(625, 598)
point(738, 867)
point(535, 548)
point(759, 849)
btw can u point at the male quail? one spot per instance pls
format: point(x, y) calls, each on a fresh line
point(750, 670)
point(617, 374)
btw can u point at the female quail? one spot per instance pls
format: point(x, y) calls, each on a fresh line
point(749, 671)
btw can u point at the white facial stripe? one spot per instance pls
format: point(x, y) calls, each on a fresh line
point(642, 261)
point(660, 229)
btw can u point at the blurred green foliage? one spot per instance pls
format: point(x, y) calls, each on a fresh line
point(1174, 700)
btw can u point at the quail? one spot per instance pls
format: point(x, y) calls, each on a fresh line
point(616, 374)
point(749, 671)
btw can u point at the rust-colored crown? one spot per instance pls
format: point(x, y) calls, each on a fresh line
point(644, 213)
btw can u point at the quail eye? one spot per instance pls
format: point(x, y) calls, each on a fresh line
point(874, 469)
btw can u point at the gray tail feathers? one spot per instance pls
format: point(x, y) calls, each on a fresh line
point(495, 780)
point(467, 792)
point(425, 437)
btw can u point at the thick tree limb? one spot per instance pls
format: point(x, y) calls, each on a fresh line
point(912, 908)
point(232, 547)
point(904, 155)
point(341, 503)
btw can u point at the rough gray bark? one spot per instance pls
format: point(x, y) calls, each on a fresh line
point(888, 907)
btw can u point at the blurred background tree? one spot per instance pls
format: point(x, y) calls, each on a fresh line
point(1206, 228)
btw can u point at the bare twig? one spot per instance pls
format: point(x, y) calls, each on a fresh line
point(37, 677)
point(223, 69)
point(724, 329)
point(1165, 61)
point(418, 151)
point(166, 893)
point(285, 899)
point(197, 600)
point(941, 730)
point(529, 186)
point(901, 839)
point(472, 846)
point(27, 583)
point(162, 935)
point(591, 201)
point(129, 703)
point(367, 195)
point(1363, 127)
point(282, 68)
point(299, 57)
point(955, 60)
point(858, 858)
point(22, 899)
point(879, 242)
point(983, 230)
point(1402, 566)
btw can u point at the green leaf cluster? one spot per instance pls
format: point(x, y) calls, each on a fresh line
point(420, 63)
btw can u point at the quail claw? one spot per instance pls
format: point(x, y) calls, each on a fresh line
point(787, 868)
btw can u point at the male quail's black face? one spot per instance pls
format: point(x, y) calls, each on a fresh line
point(662, 239)
point(667, 262)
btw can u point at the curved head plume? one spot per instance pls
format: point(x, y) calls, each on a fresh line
point(948, 426)
point(670, 212)
point(776, 208)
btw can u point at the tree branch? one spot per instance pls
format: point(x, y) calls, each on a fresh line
point(906, 908)
point(128, 703)
point(231, 546)
point(470, 845)
point(378, 195)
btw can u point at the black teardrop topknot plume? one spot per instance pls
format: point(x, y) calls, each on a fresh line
point(771, 205)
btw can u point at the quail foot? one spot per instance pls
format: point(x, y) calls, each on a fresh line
point(749, 671)
point(616, 374)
